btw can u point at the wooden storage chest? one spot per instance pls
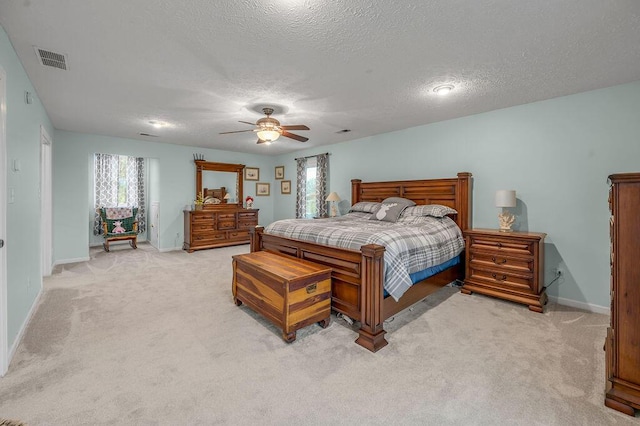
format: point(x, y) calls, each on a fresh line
point(291, 293)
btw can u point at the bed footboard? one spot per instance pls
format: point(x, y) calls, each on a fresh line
point(357, 278)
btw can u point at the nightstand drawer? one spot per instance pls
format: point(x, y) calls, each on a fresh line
point(499, 260)
point(502, 245)
point(502, 279)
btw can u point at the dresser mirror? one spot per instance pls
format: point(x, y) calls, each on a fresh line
point(214, 176)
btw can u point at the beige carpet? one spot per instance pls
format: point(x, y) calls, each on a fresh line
point(143, 338)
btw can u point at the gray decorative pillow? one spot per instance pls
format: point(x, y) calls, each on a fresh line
point(389, 212)
point(434, 210)
point(399, 200)
point(364, 206)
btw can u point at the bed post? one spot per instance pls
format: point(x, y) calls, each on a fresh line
point(463, 197)
point(371, 315)
point(256, 238)
point(355, 190)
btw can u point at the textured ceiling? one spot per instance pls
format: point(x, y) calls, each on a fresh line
point(365, 66)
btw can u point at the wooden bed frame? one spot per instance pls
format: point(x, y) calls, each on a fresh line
point(357, 276)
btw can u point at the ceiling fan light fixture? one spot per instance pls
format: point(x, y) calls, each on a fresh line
point(268, 135)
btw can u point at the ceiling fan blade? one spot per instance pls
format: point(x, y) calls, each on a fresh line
point(295, 127)
point(293, 136)
point(237, 131)
point(246, 122)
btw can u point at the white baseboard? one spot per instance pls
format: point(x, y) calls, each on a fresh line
point(581, 305)
point(76, 260)
point(25, 323)
point(164, 250)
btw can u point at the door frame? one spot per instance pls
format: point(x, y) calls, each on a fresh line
point(46, 205)
point(153, 227)
point(4, 315)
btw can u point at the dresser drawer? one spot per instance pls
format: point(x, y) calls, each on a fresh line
point(501, 261)
point(202, 226)
point(248, 216)
point(226, 216)
point(227, 224)
point(202, 218)
point(204, 238)
point(238, 235)
point(502, 279)
point(502, 245)
point(246, 224)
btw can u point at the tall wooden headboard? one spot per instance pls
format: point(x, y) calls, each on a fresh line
point(453, 192)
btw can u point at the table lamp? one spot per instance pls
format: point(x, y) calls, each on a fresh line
point(332, 198)
point(226, 198)
point(506, 198)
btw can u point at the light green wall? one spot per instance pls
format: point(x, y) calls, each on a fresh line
point(24, 277)
point(175, 186)
point(556, 154)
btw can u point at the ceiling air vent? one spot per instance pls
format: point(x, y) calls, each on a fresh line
point(52, 59)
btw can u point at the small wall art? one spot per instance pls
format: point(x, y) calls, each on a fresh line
point(251, 173)
point(263, 189)
point(285, 187)
point(279, 172)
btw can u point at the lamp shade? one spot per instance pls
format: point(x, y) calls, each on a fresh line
point(227, 196)
point(506, 198)
point(333, 197)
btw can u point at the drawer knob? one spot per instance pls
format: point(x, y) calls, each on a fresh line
point(311, 288)
point(496, 261)
point(499, 245)
point(495, 277)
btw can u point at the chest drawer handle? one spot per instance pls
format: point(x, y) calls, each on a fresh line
point(498, 263)
point(499, 245)
point(311, 288)
point(495, 277)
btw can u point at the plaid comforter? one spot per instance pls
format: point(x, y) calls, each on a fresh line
point(412, 243)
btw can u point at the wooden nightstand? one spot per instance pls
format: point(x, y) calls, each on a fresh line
point(509, 265)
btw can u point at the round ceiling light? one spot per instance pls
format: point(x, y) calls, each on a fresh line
point(157, 124)
point(443, 90)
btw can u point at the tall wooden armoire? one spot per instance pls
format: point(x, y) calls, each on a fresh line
point(623, 337)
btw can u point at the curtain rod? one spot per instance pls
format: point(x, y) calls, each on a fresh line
point(310, 156)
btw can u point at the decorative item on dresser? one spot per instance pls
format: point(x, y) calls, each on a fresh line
point(622, 345)
point(218, 224)
point(506, 265)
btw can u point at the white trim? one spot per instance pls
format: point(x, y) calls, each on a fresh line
point(164, 250)
point(76, 260)
point(4, 315)
point(590, 307)
point(46, 213)
point(20, 334)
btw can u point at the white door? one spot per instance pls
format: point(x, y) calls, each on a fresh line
point(4, 340)
point(45, 202)
point(153, 218)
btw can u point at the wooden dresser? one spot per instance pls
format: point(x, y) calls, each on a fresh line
point(219, 226)
point(622, 344)
point(509, 265)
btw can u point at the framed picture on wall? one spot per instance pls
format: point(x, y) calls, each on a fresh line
point(251, 173)
point(279, 172)
point(285, 187)
point(263, 189)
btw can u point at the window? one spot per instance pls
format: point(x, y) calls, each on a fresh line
point(119, 182)
point(311, 201)
point(311, 186)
